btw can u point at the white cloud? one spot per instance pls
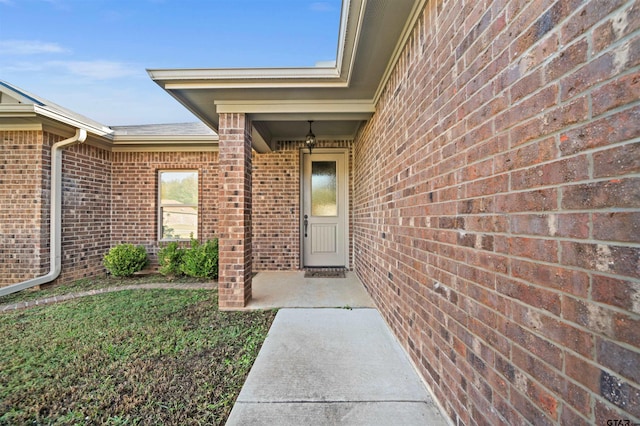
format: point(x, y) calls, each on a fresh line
point(29, 47)
point(22, 67)
point(89, 70)
point(98, 69)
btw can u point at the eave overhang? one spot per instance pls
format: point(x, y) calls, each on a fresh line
point(279, 101)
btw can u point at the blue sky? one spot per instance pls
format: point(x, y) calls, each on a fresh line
point(91, 56)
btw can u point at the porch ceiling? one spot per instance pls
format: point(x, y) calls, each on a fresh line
point(281, 100)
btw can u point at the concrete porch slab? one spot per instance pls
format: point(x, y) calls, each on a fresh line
point(333, 366)
point(290, 289)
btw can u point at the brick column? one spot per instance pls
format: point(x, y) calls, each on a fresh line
point(234, 284)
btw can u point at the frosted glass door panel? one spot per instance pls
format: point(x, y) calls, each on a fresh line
point(324, 189)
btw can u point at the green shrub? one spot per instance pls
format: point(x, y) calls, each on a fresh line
point(170, 259)
point(125, 259)
point(201, 260)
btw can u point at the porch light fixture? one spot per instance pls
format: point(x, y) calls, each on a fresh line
point(310, 142)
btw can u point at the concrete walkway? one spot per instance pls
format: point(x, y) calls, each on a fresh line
point(330, 366)
point(290, 289)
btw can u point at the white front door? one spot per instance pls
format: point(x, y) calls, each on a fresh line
point(325, 209)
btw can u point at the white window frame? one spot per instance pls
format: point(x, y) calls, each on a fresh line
point(161, 205)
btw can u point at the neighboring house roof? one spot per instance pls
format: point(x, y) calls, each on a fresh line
point(175, 129)
point(170, 136)
point(338, 97)
point(21, 109)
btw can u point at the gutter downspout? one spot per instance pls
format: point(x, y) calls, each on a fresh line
point(55, 235)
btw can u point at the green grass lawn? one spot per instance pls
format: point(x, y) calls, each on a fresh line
point(93, 283)
point(128, 357)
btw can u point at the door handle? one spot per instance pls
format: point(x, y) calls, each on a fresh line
point(306, 223)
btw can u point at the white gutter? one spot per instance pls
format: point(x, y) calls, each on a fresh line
point(55, 236)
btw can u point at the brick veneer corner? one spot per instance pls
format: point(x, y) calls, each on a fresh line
point(234, 211)
point(24, 173)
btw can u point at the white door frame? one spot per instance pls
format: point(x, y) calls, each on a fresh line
point(343, 201)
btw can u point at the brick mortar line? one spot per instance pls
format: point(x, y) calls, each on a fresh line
point(64, 297)
point(533, 188)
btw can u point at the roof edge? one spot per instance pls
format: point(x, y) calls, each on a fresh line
point(103, 131)
point(242, 75)
point(337, 75)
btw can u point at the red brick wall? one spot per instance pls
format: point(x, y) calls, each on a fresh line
point(25, 202)
point(276, 210)
point(134, 194)
point(86, 203)
point(24, 252)
point(276, 206)
point(111, 198)
point(497, 209)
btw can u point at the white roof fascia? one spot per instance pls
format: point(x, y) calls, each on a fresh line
point(203, 75)
point(302, 77)
point(18, 110)
point(295, 106)
point(304, 116)
point(19, 127)
point(342, 31)
point(347, 66)
point(264, 84)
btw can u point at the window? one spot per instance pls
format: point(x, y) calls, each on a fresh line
point(177, 204)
